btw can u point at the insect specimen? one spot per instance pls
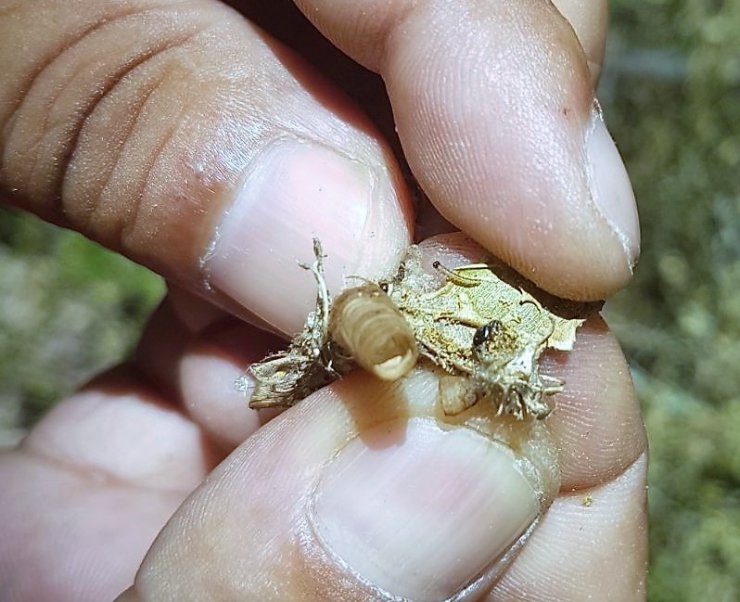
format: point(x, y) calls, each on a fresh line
point(485, 328)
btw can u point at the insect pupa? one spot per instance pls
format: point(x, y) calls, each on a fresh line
point(367, 325)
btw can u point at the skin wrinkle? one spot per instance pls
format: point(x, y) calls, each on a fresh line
point(132, 221)
point(95, 475)
point(71, 143)
point(87, 221)
point(58, 53)
point(55, 55)
point(116, 80)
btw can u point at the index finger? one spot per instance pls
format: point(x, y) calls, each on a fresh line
point(182, 135)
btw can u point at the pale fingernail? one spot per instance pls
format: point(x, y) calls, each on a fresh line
point(296, 191)
point(420, 512)
point(610, 186)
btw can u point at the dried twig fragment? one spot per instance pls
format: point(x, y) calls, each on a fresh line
point(309, 363)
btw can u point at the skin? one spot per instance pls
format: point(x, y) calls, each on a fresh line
point(147, 154)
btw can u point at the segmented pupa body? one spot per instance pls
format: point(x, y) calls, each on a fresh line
point(368, 326)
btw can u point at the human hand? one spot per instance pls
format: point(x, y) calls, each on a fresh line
point(194, 143)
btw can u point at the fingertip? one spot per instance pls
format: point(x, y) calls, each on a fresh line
point(198, 356)
point(121, 429)
point(503, 134)
point(297, 191)
point(213, 382)
point(596, 420)
point(494, 105)
point(344, 466)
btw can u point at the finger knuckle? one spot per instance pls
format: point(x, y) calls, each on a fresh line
point(78, 112)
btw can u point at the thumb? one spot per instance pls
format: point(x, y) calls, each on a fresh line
point(358, 490)
point(184, 137)
point(366, 491)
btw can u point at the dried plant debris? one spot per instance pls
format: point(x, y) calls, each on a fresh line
point(311, 361)
point(484, 328)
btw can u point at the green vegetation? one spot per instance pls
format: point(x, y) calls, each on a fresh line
point(672, 99)
point(671, 94)
point(68, 309)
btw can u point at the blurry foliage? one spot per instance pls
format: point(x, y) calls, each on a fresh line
point(671, 93)
point(68, 309)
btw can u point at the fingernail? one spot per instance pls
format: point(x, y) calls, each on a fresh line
point(610, 186)
point(420, 511)
point(296, 191)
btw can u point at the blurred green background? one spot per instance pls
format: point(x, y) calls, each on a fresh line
point(671, 95)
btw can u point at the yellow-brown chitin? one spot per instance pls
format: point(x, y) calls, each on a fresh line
point(368, 326)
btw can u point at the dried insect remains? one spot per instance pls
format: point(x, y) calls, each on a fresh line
point(484, 328)
point(368, 326)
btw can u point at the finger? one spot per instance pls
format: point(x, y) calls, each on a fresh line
point(105, 429)
point(214, 382)
point(87, 491)
point(307, 516)
point(364, 491)
point(597, 421)
point(591, 545)
point(495, 109)
point(205, 371)
point(589, 19)
point(182, 136)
